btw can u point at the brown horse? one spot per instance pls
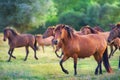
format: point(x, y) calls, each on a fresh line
point(49, 32)
point(16, 40)
point(97, 30)
point(114, 33)
point(44, 41)
point(116, 44)
point(81, 46)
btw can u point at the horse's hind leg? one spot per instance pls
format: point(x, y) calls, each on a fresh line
point(43, 48)
point(34, 52)
point(27, 52)
point(61, 64)
point(98, 67)
point(100, 72)
point(99, 61)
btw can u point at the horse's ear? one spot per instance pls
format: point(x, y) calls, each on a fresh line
point(112, 26)
point(118, 25)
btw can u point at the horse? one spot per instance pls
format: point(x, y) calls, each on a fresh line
point(114, 33)
point(44, 41)
point(81, 46)
point(16, 40)
point(98, 30)
point(49, 32)
point(116, 44)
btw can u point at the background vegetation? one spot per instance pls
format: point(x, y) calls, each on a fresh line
point(35, 16)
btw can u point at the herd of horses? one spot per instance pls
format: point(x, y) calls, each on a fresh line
point(76, 44)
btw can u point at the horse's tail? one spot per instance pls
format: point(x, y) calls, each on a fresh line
point(35, 44)
point(106, 62)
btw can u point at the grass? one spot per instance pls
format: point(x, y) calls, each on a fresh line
point(48, 68)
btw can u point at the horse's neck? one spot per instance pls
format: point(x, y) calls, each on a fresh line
point(11, 37)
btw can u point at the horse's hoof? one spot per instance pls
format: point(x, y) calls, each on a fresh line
point(75, 74)
point(36, 58)
point(8, 60)
point(66, 72)
point(14, 57)
point(25, 59)
point(96, 73)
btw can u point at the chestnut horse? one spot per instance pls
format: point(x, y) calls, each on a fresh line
point(81, 46)
point(97, 30)
point(16, 40)
point(44, 41)
point(48, 33)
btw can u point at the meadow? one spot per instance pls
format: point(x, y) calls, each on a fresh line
point(47, 66)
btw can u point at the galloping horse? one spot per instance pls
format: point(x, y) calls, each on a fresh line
point(16, 40)
point(44, 41)
point(98, 30)
point(49, 33)
point(81, 46)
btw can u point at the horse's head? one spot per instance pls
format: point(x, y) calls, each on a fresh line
point(62, 32)
point(114, 33)
point(87, 30)
point(48, 32)
point(8, 32)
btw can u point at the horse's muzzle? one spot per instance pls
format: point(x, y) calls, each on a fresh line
point(55, 42)
point(4, 39)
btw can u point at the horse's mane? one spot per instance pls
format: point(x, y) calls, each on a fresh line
point(98, 28)
point(14, 32)
point(68, 28)
point(88, 27)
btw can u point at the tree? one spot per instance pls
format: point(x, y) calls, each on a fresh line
point(25, 14)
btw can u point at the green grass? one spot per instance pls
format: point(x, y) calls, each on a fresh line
point(48, 68)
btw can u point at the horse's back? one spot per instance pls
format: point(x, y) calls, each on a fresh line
point(90, 44)
point(24, 40)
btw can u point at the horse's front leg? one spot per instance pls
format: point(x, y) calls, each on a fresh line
point(111, 48)
point(10, 54)
point(61, 64)
point(75, 64)
point(27, 52)
point(57, 54)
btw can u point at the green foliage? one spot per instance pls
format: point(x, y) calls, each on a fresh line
point(72, 18)
point(25, 14)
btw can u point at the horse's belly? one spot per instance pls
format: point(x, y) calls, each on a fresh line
point(86, 53)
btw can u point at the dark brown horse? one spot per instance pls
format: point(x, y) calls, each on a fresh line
point(114, 33)
point(81, 46)
point(16, 40)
